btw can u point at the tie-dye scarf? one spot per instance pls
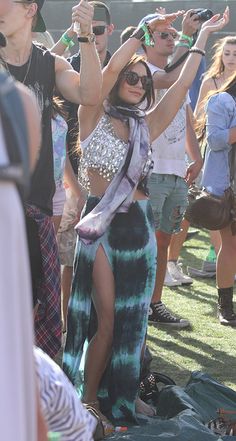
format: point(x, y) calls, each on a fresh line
point(119, 194)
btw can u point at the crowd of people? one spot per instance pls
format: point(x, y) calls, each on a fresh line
point(102, 149)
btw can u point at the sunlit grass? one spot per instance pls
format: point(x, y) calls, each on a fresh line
point(206, 346)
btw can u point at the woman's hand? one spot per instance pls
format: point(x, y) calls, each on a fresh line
point(216, 23)
point(162, 23)
point(161, 10)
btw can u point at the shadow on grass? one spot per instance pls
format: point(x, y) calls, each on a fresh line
point(197, 294)
point(215, 362)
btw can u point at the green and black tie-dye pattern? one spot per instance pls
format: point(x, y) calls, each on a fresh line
point(130, 246)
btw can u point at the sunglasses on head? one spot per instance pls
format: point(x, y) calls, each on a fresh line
point(132, 78)
point(165, 35)
point(99, 30)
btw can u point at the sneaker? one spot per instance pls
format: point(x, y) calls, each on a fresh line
point(175, 270)
point(171, 281)
point(159, 314)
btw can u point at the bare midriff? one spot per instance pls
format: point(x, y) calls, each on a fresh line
point(98, 186)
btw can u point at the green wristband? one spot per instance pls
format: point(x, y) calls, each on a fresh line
point(67, 41)
point(148, 40)
point(186, 37)
point(180, 44)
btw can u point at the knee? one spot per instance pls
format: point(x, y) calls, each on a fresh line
point(163, 241)
point(105, 330)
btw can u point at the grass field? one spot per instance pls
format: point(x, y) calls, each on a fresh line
point(206, 346)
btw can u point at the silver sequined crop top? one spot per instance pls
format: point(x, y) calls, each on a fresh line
point(102, 151)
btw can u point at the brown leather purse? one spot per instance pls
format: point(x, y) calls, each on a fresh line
point(206, 210)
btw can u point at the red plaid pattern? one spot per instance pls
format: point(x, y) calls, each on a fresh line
point(48, 318)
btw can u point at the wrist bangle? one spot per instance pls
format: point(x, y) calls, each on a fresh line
point(138, 34)
point(67, 41)
point(144, 34)
point(180, 44)
point(186, 37)
point(196, 50)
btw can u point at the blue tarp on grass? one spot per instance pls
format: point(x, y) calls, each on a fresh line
point(183, 412)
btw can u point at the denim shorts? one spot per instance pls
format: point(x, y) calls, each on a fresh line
point(168, 196)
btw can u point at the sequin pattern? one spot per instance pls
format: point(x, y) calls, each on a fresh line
point(104, 153)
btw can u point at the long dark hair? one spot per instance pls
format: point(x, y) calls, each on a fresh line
point(149, 94)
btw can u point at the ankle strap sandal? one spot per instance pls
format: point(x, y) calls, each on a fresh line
point(104, 426)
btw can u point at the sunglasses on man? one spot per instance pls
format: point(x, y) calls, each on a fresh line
point(165, 35)
point(132, 78)
point(99, 30)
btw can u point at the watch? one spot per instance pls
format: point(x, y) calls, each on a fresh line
point(90, 38)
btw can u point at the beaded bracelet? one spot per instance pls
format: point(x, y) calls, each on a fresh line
point(186, 37)
point(196, 50)
point(67, 41)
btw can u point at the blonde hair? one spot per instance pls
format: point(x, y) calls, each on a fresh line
point(217, 67)
point(200, 126)
point(43, 38)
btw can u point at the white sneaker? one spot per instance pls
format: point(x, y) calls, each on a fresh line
point(171, 281)
point(175, 270)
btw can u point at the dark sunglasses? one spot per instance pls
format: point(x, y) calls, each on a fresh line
point(132, 78)
point(99, 30)
point(165, 35)
point(26, 2)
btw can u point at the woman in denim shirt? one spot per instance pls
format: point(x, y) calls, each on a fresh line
point(221, 134)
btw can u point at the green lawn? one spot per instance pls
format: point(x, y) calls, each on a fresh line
point(207, 345)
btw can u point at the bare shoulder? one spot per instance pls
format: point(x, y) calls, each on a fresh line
point(208, 84)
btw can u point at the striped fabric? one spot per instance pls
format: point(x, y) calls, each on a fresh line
point(48, 318)
point(130, 246)
point(61, 406)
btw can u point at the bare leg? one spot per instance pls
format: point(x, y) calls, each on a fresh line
point(226, 259)
point(215, 238)
point(56, 221)
point(66, 279)
point(163, 241)
point(177, 241)
point(99, 348)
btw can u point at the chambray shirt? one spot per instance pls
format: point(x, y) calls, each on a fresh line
point(221, 117)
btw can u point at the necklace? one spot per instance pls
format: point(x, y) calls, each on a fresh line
point(28, 66)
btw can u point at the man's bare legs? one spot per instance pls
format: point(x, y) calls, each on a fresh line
point(163, 241)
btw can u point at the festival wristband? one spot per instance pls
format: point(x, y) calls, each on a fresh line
point(67, 41)
point(186, 37)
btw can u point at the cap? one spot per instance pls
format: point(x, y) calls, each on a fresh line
point(148, 18)
point(101, 11)
point(39, 25)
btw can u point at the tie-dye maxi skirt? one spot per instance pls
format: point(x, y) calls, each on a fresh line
point(130, 247)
